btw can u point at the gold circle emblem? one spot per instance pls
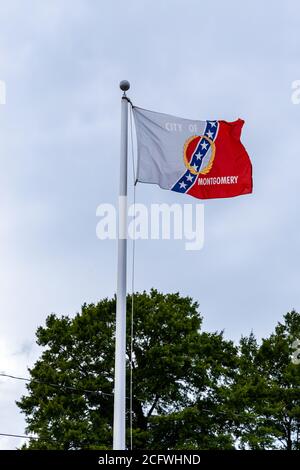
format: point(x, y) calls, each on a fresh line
point(207, 168)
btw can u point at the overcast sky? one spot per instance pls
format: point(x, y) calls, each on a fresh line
point(59, 148)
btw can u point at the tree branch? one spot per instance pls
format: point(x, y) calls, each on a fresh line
point(153, 406)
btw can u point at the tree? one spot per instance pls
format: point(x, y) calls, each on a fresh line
point(191, 389)
point(265, 395)
point(181, 378)
point(203, 422)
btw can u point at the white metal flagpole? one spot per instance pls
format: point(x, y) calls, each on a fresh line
point(120, 351)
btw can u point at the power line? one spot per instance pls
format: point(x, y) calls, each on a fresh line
point(2, 374)
point(67, 387)
point(17, 435)
point(81, 390)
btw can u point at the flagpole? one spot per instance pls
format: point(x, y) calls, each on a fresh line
point(119, 428)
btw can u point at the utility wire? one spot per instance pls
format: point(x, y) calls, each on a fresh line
point(60, 386)
point(67, 387)
point(234, 413)
point(3, 434)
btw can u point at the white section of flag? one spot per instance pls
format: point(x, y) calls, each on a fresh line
point(161, 139)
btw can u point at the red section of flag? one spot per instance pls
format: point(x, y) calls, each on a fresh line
point(231, 171)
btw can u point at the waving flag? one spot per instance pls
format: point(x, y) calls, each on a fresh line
point(204, 159)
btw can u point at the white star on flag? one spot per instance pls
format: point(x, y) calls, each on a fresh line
point(198, 155)
point(204, 145)
point(212, 123)
point(189, 177)
point(182, 185)
point(210, 134)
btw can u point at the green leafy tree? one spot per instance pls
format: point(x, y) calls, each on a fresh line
point(265, 395)
point(203, 422)
point(181, 378)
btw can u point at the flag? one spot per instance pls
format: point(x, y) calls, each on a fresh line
point(204, 159)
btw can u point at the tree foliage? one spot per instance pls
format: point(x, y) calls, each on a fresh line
point(266, 391)
point(191, 389)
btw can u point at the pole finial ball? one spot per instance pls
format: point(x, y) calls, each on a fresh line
point(124, 85)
